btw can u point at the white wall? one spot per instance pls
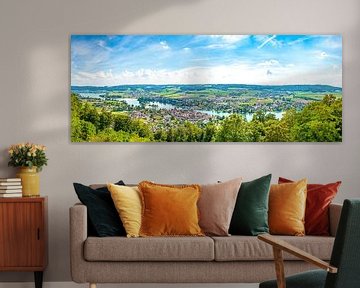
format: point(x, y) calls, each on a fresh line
point(34, 106)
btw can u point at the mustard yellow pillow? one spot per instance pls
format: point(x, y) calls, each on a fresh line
point(287, 204)
point(127, 201)
point(169, 210)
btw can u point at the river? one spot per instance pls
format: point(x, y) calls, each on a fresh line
point(158, 105)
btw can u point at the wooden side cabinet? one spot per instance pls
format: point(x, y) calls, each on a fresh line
point(23, 235)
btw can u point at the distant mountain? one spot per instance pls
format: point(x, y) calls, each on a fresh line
point(197, 87)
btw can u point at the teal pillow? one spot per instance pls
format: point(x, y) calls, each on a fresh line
point(250, 216)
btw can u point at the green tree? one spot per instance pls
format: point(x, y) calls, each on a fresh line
point(105, 120)
point(89, 113)
point(208, 132)
point(233, 129)
point(256, 130)
point(86, 130)
point(276, 131)
point(139, 127)
point(137, 138)
point(319, 122)
point(109, 135)
point(336, 107)
point(75, 105)
point(170, 137)
point(289, 121)
point(192, 132)
point(269, 117)
point(259, 116)
point(179, 134)
point(122, 122)
point(75, 129)
point(317, 131)
point(75, 120)
point(160, 135)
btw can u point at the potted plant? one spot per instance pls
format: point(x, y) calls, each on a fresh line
point(30, 158)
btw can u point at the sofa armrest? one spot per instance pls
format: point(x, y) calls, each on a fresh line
point(334, 216)
point(78, 235)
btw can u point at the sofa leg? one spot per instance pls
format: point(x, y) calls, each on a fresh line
point(92, 285)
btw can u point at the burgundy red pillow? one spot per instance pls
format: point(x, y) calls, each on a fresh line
point(319, 197)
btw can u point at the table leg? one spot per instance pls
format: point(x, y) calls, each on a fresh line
point(38, 279)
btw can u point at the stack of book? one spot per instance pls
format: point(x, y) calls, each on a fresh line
point(10, 187)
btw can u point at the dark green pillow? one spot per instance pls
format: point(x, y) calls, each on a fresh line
point(250, 215)
point(103, 218)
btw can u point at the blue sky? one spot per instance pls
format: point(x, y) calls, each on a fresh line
point(107, 60)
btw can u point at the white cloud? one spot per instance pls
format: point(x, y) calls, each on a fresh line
point(331, 42)
point(226, 41)
point(219, 46)
point(230, 39)
point(87, 55)
point(241, 73)
point(322, 55)
point(164, 45)
point(80, 48)
point(269, 63)
point(318, 76)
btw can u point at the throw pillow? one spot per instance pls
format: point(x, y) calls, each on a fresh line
point(127, 201)
point(319, 197)
point(103, 218)
point(169, 210)
point(250, 215)
point(287, 204)
point(216, 206)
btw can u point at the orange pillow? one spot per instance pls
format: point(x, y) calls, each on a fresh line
point(287, 204)
point(169, 210)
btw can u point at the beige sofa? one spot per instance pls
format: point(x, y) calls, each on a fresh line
point(234, 259)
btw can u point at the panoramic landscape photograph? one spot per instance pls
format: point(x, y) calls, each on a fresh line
point(206, 88)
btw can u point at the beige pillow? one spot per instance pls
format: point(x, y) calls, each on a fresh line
point(216, 206)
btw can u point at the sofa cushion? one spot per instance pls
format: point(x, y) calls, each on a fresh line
point(169, 210)
point(318, 199)
point(149, 249)
point(127, 201)
point(216, 206)
point(102, 216)
point(244, 248)
point(287, 204)
point(250, 215)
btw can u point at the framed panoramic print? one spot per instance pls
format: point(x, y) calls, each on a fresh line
point(206, 88)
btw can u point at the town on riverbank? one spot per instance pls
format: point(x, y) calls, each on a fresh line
point(164, 107)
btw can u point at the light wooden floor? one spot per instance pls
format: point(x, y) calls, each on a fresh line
point(74, 285)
